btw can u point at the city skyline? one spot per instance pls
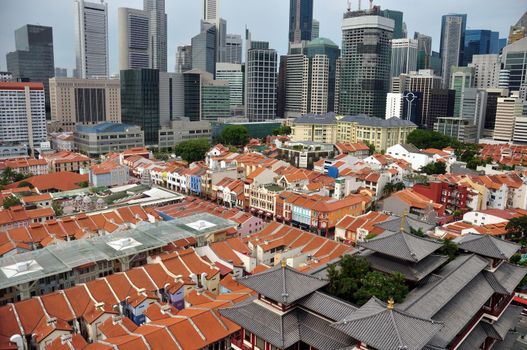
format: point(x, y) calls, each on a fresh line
point(183, 22)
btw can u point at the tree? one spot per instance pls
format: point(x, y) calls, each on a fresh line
point(370, 146)
point(449, 249)
point(11, 201)
point(162, 156)
point(382, 286)
point(434, 168)
point(282, 130)
point(430, 139)
point(193, 150)
point(344, 277)
point(517, 227)
point(417, 232)
point(57, 208)
point(236, 135)
point(515, 259)
point(390, 187)
point(25, 184)
point(84, 184)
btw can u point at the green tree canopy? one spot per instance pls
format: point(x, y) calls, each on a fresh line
point(434, 168)
point(423, 139)
point(517, 227)
point(25, 184)
point(282, 130)
point(236, 135)
point(193, 150)
point(449, 249)
point(57, 207)
point(352, 279)
point(11, 201)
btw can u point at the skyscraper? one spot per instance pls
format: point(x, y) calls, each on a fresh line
point(317, 51)
point(404, 56)
point(452, 43)
point(204, 49)
point(260, 81)
point(33, 59)
point(140, 101)
point(519, 30)
point(480, 42)
point(233, 74)
point(397, 16)
point(134, 38)
point(424, 50)
point(233, 49)
point(158, 33)
point(487, 71)
point(211, 11)
point(365, 62)
point(22, 113)
point(91, 39)
point(315, 29)
point(300, 20)
point(514, 61)
point(423, 81)
point(183, 58)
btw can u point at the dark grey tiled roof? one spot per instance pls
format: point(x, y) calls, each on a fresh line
point(327, 306)
point(394, 224)
point(328, 118)
point(458, 311)
point(508, 343)
point(285, 330)
point(428, 299)
point(385, 329)
point(509, 276)
point(498, 330)
point(488, 246)
point(283, 284)
point(414, 272)
point(402, 245)
point(410, 148)
point(377, 122)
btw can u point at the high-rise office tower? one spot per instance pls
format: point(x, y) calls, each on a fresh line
point(440, 105)
point(211, 11)
point(452, 44)
point(204, 49)
point(233, 74)
point(404, 56)
point(317, 51)
point(514, 63)
point(424, 51)
point(492, 104)
point(394, 105)
point(184, 58)
point(462, 79)
point(33, 59)
point(423, 81)
point(134, 39)
point(61, 72)
point(487, 71)
point(140, 101)
point(91, 39)
point(260, 81)
point(22, 113)
point(480, 42)
point(507, 110)
point(315, 29)
point(300, 20)
point(296, 85)
point(158, 33)
point(519, 30)
point(233, 49)
point(398, 29)
point(365, 62)
point(84, 101)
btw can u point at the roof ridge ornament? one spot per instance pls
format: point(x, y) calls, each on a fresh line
point(403, 220)
point(391, 304)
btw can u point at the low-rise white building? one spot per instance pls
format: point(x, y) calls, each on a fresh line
point(411, 154)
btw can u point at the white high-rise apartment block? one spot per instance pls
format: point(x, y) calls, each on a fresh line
point(22, 113)
point(404, 56)
point(158, 33)
point(487, 71)
point(296, 85)
point(234, 75)
point(520, 129)
point(394, 105)
point(134, 38)
point(91, 39)
point(508, 109)
point(319, 87)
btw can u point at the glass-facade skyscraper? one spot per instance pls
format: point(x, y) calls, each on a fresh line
point(365, 62)
point(397, 16)
point(140, 101)
point(480, 42)
point(452, 44)
point(300, 20)
point(33, 59)
point(204, 49)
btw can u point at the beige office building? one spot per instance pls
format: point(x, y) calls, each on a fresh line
point(508, 109)
point(84, 101)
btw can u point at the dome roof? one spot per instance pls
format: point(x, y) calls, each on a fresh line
point(320, 42)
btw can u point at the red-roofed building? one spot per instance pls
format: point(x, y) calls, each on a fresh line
point(56, 182)
point(66, 161)
point(25, 166)
point(355, 229)
point(410, 201)
point(109, 173)
point(452, 196)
